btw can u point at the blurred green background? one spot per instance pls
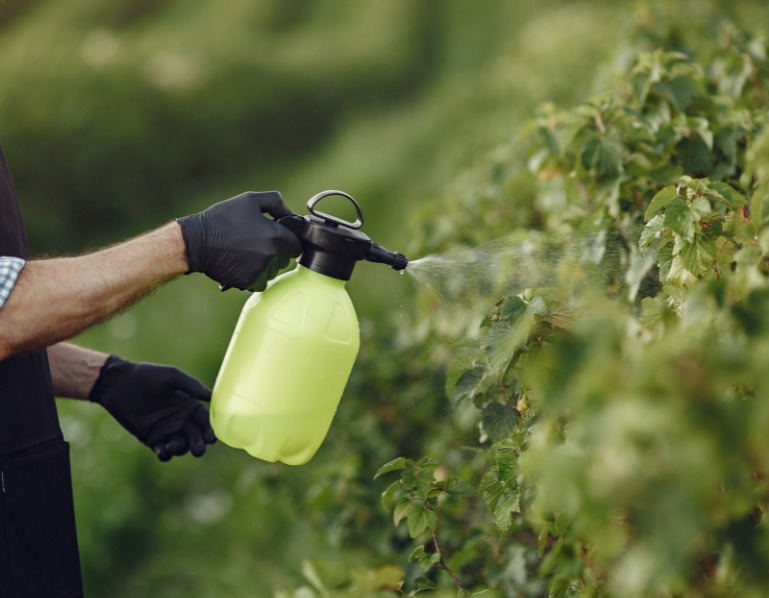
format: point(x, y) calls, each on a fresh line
point(118, 116)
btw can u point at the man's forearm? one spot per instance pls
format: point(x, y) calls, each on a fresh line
point(56, 299)
point(74, 369)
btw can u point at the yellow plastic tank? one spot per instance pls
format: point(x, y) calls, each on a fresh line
point(286, 368)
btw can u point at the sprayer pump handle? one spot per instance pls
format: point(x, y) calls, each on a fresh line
point(333, 219)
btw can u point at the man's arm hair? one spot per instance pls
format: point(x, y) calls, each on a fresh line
point(55, 299)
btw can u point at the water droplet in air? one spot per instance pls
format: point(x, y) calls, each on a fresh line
point(471, 279)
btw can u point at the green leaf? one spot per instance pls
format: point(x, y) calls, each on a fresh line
point(640, 264)
point(467, 384)
point(508, 505)
point(502, 498)
point(682, 91)
point(402, 510)
point(690, 257)
point(506, 453)
point(603, 156)
point(665, 260)
point(725, 253)
point(419, 480)
point(698, 255)
point(498, 486)
point(389, 496)
point(700, 208)
point(513, 308)
point(652, 233)
point(491, 489)
point(759, 209)
point(728, 195)
point(726, 144)
point(421, 521)
point(510, 333)
point(660, 200)
point(653, 310)
point(537, 306)
point(702, 127)
point(640, 84)
point(425, 583)
point(695, 156)
point(419, 518)
point(394, 465)
point(499, 420)
point(678, 217)
point(425, 559)
point(458, 489)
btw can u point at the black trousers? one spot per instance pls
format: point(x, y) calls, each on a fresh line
point(38, 543)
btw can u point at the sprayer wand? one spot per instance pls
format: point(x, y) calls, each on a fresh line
point(380, 255)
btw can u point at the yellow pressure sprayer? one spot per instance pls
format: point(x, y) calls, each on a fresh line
point(294, 345)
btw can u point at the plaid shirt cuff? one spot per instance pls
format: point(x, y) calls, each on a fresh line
point(9, 272)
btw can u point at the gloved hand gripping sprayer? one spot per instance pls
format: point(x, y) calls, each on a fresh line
point(294, 345)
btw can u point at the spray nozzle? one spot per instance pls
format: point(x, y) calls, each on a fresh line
point(377, 253)
point(332, 246)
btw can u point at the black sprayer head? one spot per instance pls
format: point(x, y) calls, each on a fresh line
point(332, 246)
point(377, 253)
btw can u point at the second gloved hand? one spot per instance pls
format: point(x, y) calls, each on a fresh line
point(233, 243)
point(160, 405)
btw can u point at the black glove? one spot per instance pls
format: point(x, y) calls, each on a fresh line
point(160, 405)
point(236, 245)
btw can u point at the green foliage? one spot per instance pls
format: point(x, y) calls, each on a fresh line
point(620, 409)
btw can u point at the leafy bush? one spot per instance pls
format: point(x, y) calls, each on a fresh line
point(619, 404)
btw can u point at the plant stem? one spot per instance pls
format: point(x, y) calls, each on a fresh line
point(442, 564)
